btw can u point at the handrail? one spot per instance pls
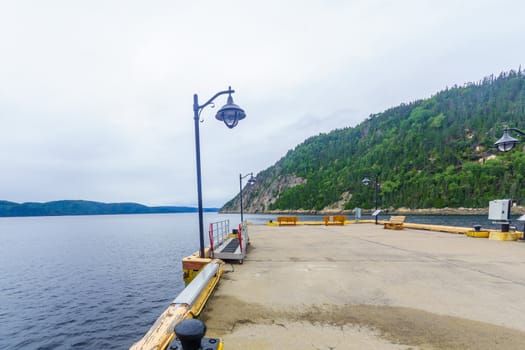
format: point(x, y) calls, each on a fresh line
point(239, 235)
point(218, 232)
point(210, 236)
point(243, 233)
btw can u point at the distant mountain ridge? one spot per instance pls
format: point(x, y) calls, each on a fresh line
point(82, 207)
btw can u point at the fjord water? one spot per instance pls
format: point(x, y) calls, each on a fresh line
point(89, 282)
point(99, 282)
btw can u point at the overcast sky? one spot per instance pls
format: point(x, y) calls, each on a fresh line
point(96, 96)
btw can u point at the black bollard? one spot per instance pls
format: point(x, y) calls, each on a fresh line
point(190, 333)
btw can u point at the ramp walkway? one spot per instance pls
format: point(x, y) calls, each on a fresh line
point(228, 246)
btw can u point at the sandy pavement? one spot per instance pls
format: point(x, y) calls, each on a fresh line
point(362, 287)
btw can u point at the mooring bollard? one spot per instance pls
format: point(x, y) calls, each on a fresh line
point(190, 336)
point(190, 333)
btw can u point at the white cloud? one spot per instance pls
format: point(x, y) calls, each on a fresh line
point(96, 97)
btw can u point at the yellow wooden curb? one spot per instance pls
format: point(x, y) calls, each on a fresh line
point(478, 234)
point(504, 236)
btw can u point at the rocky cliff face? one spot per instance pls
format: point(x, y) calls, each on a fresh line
point(258, 197)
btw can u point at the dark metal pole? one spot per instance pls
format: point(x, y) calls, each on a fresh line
point(239, 114)
point(240, 190)
point(376, 190)
point(199, 181)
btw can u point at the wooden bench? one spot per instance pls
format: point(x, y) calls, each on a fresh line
point(337, 220)
point(395, 223)
point(287, 220)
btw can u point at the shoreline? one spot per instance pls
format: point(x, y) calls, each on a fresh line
point(517, 210)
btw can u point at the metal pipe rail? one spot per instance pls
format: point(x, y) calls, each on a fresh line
point(218, 233)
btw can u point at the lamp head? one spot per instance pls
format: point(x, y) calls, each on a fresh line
point(230, 113)
point(506, 142)
point(252, 180)
point(366, 181)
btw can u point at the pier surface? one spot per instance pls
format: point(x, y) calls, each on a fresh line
point(362, 287)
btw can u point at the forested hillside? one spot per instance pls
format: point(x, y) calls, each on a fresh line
point(80, 207)
point(430, 153)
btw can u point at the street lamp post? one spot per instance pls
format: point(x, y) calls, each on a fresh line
point(251, 181)
point(230, 114)
point(366, 181)
point(505, 144)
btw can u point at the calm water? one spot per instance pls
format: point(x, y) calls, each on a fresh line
point(89, 282)
point(99, 282)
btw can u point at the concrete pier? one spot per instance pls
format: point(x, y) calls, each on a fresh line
point(362, 287)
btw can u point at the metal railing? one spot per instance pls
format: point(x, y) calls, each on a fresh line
point(218, 232)
point(243, 233)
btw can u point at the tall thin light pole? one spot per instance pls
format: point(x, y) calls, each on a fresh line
point(250, 182)
point(366, 181)
point(377, 190)
point(199, 181)
point(505, 144)
point(230, 114)
point(240, 190)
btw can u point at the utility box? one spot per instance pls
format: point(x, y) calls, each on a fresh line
point(357, 212)
point(499, 210)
